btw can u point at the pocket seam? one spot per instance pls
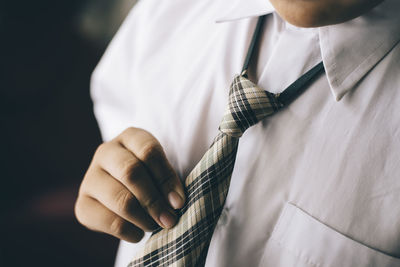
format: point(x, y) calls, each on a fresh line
point(279, 225)
point(307, 246)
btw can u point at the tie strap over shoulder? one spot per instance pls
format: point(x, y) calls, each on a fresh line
point(248, 104)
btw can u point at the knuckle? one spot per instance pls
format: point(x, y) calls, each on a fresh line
point(117, 226)
point(151, 151)
point(167, 182)
point(101, 148)
point(131, 170)
point(151, 202)
point(81, 213)
point(78, 211)
point(124, 200)
point(128, 131)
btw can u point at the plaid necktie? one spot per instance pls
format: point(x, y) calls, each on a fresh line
point(207, 185)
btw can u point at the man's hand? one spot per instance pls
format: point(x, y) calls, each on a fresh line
point(129, 187)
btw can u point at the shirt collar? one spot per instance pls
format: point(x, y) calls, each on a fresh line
point(349, 50)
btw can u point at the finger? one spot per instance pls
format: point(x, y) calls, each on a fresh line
point(127, 169)
point(117, 198)
point(149, 151)
point(97, 217)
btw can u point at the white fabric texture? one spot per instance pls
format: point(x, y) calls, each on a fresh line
point(317, 184)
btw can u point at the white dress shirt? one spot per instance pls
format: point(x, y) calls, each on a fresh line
point(318, 183)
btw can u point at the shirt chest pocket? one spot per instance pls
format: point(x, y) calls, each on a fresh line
point(299, 240)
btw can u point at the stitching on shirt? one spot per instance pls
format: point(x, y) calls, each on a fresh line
point(374, 51)
point(280, 224)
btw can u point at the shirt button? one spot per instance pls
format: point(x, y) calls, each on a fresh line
point(223, 218)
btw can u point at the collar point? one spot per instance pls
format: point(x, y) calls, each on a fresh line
point(338, 93)
point(339, 97)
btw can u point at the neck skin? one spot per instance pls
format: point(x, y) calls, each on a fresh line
point(312, 13)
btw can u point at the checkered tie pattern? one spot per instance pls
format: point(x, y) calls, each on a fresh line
point(186, 244)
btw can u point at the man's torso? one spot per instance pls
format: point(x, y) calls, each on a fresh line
point(314, 185)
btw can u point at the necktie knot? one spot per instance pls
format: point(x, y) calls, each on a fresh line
point(248, 104)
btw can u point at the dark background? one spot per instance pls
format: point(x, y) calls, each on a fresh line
point(48, 50)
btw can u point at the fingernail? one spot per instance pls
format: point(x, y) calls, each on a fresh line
point(175, 200)
point(167, 219)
